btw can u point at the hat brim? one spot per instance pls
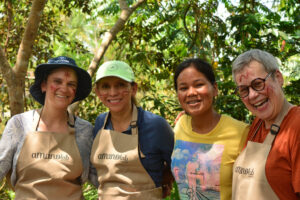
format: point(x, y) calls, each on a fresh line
point(84, 81)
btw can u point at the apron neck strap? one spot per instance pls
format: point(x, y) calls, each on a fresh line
point(71, 120)
point(133, 123)
point(275, 127)
point(37, 116)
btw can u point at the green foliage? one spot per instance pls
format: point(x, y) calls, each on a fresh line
point(293, 92)
point(157, 37)
point(89, 192)
point(5, 191)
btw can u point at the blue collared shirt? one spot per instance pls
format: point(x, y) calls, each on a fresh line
point(156, 139)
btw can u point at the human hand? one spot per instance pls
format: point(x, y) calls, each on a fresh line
point(167, 181)
point(178, 116)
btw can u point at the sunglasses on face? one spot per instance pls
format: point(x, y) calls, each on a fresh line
point(257, 84)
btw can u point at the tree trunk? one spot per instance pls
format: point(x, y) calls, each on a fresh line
point(15, 77)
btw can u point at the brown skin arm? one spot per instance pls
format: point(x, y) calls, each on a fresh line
point(167, 181)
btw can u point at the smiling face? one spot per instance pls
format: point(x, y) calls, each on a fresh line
point(195, 92)
point(267, 103)
point(116, 94)
point(60, 87)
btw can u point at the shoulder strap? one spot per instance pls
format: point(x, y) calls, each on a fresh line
point(105, 120)
point(36, 118)
point(133, 123)
point(275, 127)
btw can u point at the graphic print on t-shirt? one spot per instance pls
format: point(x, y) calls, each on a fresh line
point(196, 168)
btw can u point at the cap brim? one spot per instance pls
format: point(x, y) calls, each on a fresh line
point(113, 75)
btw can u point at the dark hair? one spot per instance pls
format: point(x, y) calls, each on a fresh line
point(200, 65)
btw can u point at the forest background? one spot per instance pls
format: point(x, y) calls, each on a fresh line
point(153, 37)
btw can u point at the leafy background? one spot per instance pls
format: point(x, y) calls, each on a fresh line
point(156, 38)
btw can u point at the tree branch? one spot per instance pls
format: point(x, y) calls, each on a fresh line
point(126, 12)
point(184, 21)
point(9, 20)
point(5, 68)
point(30, 34)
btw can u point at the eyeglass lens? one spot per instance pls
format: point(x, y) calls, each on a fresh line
point(257, 84)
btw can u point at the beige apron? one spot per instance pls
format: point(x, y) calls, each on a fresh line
point(121, 174)
point(49, 165)
point(249, 177)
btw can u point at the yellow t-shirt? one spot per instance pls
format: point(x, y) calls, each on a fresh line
point(202, 163)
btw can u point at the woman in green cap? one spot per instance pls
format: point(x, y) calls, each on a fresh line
point(47, 150)
point(132, 147)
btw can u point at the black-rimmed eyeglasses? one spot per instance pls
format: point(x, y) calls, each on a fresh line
point(257, 84)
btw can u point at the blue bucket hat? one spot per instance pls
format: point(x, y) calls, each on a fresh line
point(84, 85)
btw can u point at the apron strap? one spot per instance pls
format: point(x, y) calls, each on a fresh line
point(37, 116)
point(133, 123)
point(275, 127)
point(256, 130)
point(71, 120)
point(105, 120)
point(134, 129)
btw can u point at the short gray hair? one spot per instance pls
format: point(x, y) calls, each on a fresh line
point(266, 59)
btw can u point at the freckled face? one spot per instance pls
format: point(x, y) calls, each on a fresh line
point(195, 93)
point(60, 87)
point(267, 103)
point(116, 94)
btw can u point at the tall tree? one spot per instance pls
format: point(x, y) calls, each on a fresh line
point(15, 76)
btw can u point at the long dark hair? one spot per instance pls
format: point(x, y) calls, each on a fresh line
point(200, 65)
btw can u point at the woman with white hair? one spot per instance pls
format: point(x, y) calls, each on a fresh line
point(269, 165)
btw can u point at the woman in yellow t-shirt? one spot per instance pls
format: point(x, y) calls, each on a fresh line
point(206, 142)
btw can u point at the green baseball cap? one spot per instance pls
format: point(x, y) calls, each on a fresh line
point(115, 68)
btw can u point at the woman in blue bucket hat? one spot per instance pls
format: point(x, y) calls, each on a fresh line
point(47, 150)
point(132, 147)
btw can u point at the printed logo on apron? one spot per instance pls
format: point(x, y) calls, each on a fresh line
point(121, 175)
point(249, 177)
point(49, 165)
